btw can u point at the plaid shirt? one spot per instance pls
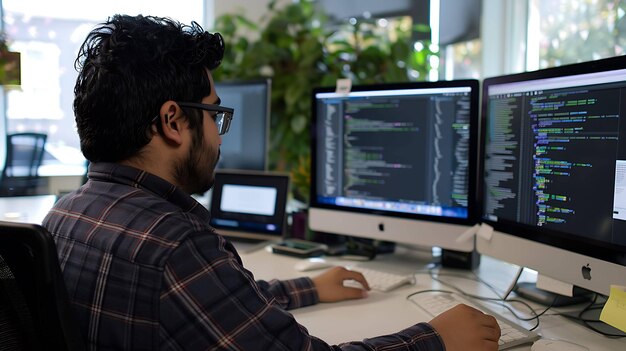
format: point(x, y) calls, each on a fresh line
point(145, 271)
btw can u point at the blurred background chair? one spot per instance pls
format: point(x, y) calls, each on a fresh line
point(35, 312)
point(24, 156)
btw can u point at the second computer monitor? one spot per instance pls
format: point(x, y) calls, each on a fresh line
point(245, 145)
point(396, 162)
point(554, 172)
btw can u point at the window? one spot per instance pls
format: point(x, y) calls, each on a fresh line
point(463, 60)
point(456, 27)
point(569, 31)
point(534, 34)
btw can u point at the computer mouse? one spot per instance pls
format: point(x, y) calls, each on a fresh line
point(311, 264)
point(556, 345)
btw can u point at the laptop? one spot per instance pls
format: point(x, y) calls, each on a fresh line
point(249, 205)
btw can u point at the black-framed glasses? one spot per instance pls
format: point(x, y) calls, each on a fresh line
point(222, 115)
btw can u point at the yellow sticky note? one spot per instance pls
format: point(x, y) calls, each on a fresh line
point(614, 311)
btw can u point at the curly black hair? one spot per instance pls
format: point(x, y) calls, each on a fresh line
point(127, 68)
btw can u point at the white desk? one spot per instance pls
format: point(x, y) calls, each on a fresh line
point(384, 313)
point(27, 209)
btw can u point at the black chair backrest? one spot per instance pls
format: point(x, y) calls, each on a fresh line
point(35, 306)
point(24, 154)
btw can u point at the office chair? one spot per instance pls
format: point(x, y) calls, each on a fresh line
point(35, 312)
point(24, 156)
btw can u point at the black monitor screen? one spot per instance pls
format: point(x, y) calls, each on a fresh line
point(245, 144)
point(400, 150)
point(555, 157)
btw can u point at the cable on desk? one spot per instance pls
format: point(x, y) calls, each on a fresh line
point(509, 290)
point(502, 301)
point(481, 298)
point(480, 280)
point(593, 305)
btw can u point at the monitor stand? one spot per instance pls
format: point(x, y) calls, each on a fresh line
point(458, 259)
point(530, 291)
point(350, 247)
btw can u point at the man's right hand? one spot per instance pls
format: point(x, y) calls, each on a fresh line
point(464, 328)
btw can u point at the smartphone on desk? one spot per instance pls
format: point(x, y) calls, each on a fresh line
point(299, 248)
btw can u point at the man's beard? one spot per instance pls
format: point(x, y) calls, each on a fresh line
point(196, 173)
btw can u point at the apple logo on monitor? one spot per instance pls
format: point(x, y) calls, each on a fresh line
point(381, 227)
point(586, 270)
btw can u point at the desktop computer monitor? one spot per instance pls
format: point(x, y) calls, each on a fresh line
point(396, 162)
point(554, 172)
point(246, 144)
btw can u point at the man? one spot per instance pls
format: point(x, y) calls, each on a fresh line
point(143, 268)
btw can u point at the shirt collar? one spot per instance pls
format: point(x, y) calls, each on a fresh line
point(137, 178)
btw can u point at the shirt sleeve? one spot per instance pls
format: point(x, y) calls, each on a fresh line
point(209, 301)
point(290, 294)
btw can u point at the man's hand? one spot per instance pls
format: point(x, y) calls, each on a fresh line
point(330, 286)
point(464, 328)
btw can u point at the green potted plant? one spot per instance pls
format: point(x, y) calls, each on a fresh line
point(299, 49)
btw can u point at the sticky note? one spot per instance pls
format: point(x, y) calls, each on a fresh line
point(344, 86)
point(468, 234)
point(614, 311)
point(485, 231)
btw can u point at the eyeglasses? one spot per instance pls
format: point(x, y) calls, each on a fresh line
point(222, 115)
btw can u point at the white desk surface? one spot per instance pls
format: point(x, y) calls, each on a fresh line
point(384, 313)
point(379, 313)
point(27, 209)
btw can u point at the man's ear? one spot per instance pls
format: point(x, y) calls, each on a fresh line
point(172, 122)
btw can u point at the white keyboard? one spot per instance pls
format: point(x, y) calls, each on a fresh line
point(384, 281)
point(435, 303)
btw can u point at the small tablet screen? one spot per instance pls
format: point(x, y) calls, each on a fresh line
point(249, 204)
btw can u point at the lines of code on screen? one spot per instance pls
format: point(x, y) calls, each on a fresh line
point(395, 149)
point(551, 156)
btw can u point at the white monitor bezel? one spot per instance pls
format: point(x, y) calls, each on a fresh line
point(399, 230)
point(419, 230)
point(554, 262)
